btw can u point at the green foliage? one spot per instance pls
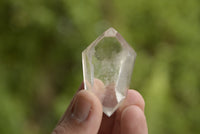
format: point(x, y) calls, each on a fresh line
point(40, 59)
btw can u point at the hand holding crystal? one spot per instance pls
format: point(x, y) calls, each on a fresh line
point(85, 115)
point(107, 68)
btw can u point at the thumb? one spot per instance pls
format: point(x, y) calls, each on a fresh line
point(82, 117)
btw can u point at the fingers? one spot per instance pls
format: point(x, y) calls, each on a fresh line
point(133, 121)
point(133, 99)
point(84, 116)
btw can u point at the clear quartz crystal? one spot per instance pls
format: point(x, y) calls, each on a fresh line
point(107, 68)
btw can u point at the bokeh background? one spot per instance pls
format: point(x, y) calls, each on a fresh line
point(40, 59)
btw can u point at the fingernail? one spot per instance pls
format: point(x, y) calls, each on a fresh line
point(81, 109)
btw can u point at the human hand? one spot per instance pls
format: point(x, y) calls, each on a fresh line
point(84, 116)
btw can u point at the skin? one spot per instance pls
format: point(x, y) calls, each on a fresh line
point(128, 119)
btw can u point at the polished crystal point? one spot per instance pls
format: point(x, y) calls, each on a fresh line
point(107, 69)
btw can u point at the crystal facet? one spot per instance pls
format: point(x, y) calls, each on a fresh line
point(107, 68)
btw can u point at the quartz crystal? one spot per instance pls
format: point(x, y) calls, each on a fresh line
point(107, 69)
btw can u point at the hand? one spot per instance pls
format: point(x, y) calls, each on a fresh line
point(84, 116)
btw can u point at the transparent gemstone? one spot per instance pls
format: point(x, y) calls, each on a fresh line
point(107, 69)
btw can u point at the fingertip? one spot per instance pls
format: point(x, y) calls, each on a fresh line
point(133, 98)
point(92, 123)
point(95, 112)
point(133, 121)
point(84, 116)
point(132, 113)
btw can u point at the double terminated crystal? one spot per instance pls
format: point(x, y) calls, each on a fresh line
point(107, 69)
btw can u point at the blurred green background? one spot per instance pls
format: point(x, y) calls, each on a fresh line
point(40, 59)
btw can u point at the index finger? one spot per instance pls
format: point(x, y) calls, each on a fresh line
point(135, 99)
